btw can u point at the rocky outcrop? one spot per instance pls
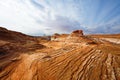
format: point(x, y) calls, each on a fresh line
point(11, 41)
point(12, 36)
point(55, 37)
point(78, 37)
point(59, 37)
point(77, 33)
point(66, 62)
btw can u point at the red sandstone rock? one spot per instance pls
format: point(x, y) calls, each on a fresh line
point(73, 61)
point(77, 33)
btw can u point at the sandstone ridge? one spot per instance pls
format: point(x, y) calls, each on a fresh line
point(65, 57)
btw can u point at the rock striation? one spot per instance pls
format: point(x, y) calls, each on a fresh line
point(49, 60)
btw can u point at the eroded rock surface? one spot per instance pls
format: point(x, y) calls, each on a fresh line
point(77, 33)
point(76, 57)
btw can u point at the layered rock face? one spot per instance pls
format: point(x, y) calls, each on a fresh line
point(12, 36)
point(12, 43)
point(49, 60)
point(77, 37)
point(76, 33)
point(58, 37)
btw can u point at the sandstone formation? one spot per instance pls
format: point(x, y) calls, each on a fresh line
point(77, 37)
point(59, 37)
point(76, 57)
point(77, 33)
point(11, 41)
point(12, 36)
point(55, 36)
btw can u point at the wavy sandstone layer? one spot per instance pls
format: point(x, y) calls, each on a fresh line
point(74, 58)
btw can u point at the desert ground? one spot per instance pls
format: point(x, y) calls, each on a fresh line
point(73, 56)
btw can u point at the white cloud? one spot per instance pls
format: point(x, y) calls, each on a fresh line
point(27, 17)
point(41, 16)
point(15, 15)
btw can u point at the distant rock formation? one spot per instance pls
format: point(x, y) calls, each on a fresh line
point(77, 33)
point(22, 58)
point(77, 37)
point(55, 36)
point(58, 37)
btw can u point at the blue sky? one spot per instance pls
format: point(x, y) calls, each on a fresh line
point(38, 17)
